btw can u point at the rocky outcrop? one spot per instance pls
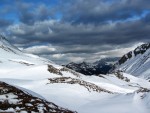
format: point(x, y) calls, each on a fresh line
point(139, 50)
point(54, 70)
point(16, 100)
point(89, 86)
point(119, 75)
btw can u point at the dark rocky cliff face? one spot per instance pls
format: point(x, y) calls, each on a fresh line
point(139, 50)
point(125, 58)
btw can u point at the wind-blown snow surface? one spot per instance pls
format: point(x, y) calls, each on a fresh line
point(66, 88)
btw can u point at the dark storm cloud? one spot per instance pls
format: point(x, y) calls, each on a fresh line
point(30, 13)
point(98, 11)
point(85, 13)
point(57, 33)
point(5, 23)
point(77, 28)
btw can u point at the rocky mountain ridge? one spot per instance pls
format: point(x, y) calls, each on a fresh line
point(136, 62)
point(99, 67)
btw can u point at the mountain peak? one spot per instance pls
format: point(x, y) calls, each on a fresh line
point(139, 50)
point(101, 66)
point(136, 62)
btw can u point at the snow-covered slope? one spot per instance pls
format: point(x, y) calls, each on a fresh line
point(136, 62)
point(88, 94)
point(18, 100)
point(119, 92)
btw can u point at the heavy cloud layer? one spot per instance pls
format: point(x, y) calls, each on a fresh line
point(76, 30)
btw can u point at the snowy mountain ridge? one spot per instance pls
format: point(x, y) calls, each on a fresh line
point(4, 44)
point(136, 62)
point(60, 86)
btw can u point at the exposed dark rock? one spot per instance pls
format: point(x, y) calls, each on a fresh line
point(54, 70)
point(18, 100)
point(125, 58)
point(21, 62)
point(139, 50)
point(89, 86)
point(71, 71)
point(141, 90)
point(99, 67)
point(119, 74)
point(131, 55)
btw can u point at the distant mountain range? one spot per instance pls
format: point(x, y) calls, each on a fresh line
point(99, 67)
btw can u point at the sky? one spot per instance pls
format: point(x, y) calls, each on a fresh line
point(75, 30)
